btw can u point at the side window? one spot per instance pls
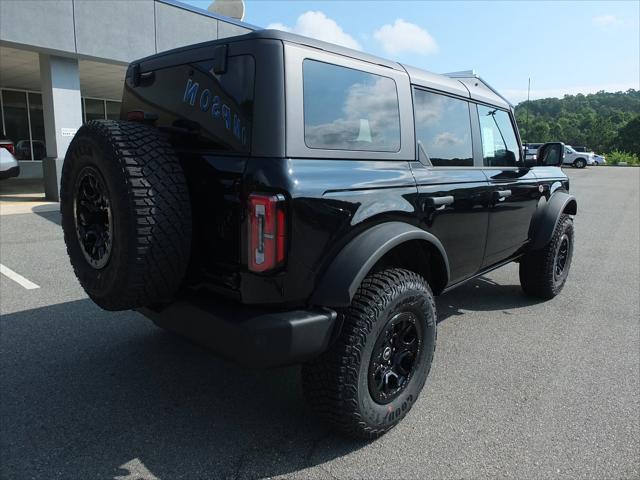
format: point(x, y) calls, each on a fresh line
point(499, 142)
point(347, 109)
point(443, 129)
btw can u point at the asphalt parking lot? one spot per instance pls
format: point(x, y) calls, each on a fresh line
point(519, 389)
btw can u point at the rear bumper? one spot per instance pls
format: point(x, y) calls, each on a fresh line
point(11, 172)
point(252, 337)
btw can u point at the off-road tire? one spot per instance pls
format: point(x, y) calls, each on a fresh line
point(150, 209)
point(579, 163)
point(537, 268)
point(336, 384)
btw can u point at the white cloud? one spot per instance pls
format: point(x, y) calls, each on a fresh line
point(403, 36)
point(520, 95)
point(317, 25)
point(446, 139)
point(605, 20)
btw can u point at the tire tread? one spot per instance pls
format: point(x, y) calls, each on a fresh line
point(157, 196)
point(330, 382)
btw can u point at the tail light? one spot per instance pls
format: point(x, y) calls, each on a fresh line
point(267, 232)
point(10, 147)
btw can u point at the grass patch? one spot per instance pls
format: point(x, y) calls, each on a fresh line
point(616, 157)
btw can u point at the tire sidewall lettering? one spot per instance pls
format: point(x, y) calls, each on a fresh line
point(391, 413)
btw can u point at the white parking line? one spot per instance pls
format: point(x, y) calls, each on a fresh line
point(16, 277)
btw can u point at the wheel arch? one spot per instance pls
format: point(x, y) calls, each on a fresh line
point(548, 215)
point(386, 244)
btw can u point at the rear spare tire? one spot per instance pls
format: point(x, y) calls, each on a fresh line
point(126, 214)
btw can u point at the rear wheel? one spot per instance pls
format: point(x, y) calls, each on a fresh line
point(544, 272)
point(125, 214)
point(371, 377)
point(580, 163)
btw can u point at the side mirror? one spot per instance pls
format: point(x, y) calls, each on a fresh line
point(551, 154)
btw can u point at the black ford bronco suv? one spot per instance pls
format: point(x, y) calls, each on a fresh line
point(283, 200)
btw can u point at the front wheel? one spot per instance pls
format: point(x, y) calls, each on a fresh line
point(580, 163)
point(372, 375)
point(544, 272)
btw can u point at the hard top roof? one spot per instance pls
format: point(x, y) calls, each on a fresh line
point(465, 84)
point(321, 45)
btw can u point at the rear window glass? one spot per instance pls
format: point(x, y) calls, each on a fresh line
point(216, 109)
point(224, 101)
point(347, 109)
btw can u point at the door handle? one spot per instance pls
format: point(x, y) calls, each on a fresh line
point(438, 202)
point(500, 195)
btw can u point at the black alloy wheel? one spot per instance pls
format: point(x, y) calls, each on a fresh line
point(93, 218)
point(372, 375)
point(394, 357)
point(563, 254)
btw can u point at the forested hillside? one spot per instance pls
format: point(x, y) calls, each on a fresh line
point(602, 121)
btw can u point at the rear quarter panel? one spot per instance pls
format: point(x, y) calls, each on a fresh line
point(330, 202)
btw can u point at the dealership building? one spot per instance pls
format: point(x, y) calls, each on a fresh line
point(63, 62)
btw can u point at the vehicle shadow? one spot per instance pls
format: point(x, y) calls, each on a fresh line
point(48, 214)
point(85, 391)
point(481, 295)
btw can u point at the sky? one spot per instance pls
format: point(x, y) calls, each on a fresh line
point(564, 47)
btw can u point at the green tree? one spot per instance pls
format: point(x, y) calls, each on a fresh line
point(601, 121)
point(628, 138)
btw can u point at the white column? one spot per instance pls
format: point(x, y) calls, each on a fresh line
point(61, 104)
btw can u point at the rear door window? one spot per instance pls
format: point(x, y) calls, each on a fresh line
point(499, 141)
point(443, 129)
point(348, 109)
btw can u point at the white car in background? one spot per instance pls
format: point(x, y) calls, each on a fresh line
point(599, 159)
point(8, 164)
point(577, 159)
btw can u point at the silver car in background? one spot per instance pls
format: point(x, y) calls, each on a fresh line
point(8, 164)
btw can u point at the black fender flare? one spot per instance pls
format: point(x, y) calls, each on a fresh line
point(548, 215)
point(339, 283)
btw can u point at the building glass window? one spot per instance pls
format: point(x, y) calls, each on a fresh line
point(16, 121)
point(347, 109)
point(499, 143)
point(443, 129)
point(113, 110)
point(23, 120)
point(38, 146)
point(1, 115)
point(94, 109)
